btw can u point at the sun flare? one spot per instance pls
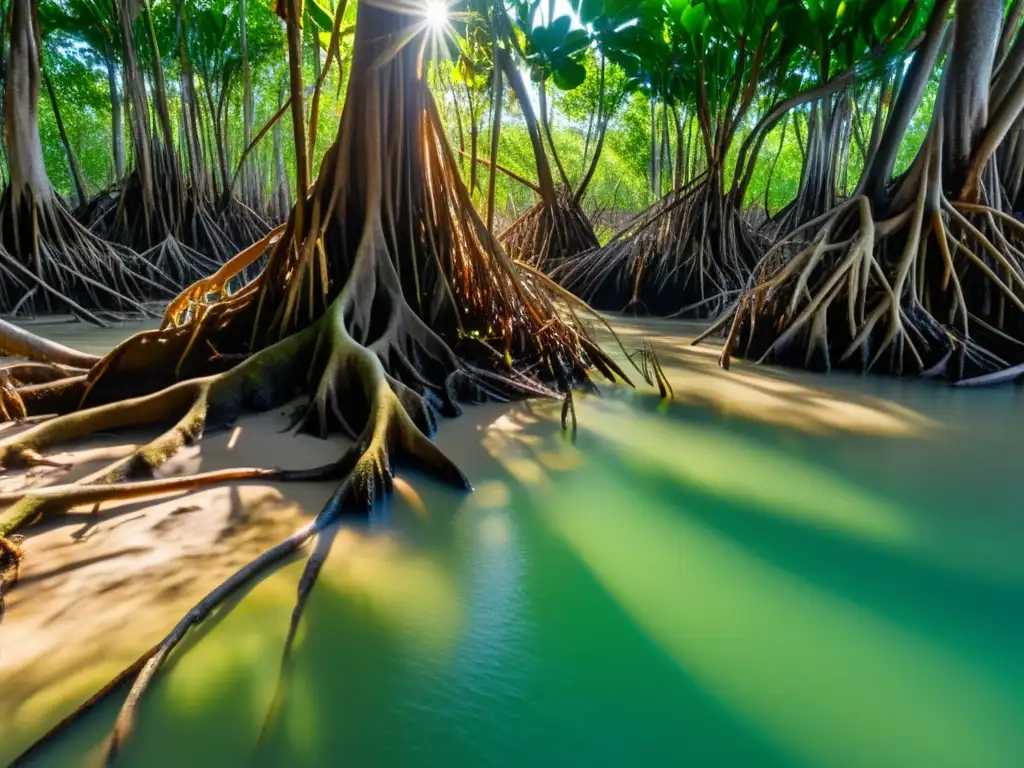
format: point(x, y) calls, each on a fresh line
point(437, 14)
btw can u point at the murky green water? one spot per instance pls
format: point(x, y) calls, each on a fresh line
point(679, 589)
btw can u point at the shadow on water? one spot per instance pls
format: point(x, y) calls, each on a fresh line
point(680, 587)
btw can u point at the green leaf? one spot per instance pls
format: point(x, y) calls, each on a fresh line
point(734, 14)
point(570, 75)
point(695, 20)
point(591, 10)
point(319, 16)
point(574, 42)
point(559, 29)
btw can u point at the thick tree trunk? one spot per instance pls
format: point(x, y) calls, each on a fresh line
point(965, 104)
point(29, 181)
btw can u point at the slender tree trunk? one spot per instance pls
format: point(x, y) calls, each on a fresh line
point(116, 115)
point(69, 153)
point(458, 122)
point(4, 21)
point(544, 178)
point(163, 109)
point(602, 129)
point(771, 168)
point(654, 151)
point(282, 192)
point(666, 148)
point(215, 109)
point(138, 108)
point(247, 110)
point(542, 93)
point(879, 167)
point(474, 143)
point(677, 180)
point(294, 35)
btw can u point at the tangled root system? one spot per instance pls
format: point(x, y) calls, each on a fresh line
point(385, 302)
point(679, 258)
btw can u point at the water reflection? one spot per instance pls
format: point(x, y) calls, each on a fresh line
point(680, 587)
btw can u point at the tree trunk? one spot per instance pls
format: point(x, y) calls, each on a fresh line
point(655, 191)
point(544, 179)
point(116, 117)
point(474, 142)
point(216, 117)
point(247, 107)
point(69, 153)
point(542, 93)
point(878, 168)
point(965, 104)
point(281, 191)
point(29, 181)
point(139, 110)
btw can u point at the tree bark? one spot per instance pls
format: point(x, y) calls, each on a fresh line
point(968, 75)
point(282, 192)
point(544, 178)
point(116, 114)
point(879, 167)
point(21, 108)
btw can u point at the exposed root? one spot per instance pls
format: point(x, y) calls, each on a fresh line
point(897, 294)
point(679, 257)
point(11, 556)
point(19, 342)
point(183, 227)
point(384, 299)
point(43, 250)
point(546, 236)
point(181, 263)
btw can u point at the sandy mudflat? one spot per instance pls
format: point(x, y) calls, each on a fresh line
point(98, 589)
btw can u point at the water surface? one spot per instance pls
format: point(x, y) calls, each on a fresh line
point(687, 585)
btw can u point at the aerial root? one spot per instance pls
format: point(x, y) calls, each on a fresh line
point(74, 267)
point(882, 306)
point(127, 717)
point(546, 235)
point(680, 256)
point(180, 262)
point(214, 287)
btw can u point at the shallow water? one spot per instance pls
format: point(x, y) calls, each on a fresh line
point(776, 569)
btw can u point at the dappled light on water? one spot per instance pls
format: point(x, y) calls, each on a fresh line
point(687, 584)
point(807, 669)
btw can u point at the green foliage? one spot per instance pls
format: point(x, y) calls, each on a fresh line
point(674, 52)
